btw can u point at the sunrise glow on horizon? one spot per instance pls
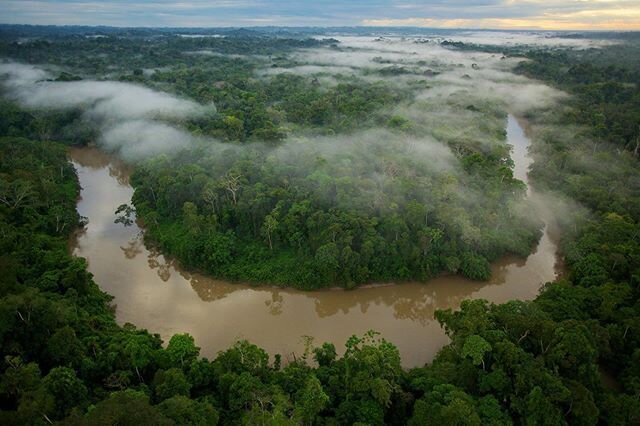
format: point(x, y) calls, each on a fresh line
point(480, 14)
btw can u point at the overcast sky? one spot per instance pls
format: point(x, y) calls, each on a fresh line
point(515, 14)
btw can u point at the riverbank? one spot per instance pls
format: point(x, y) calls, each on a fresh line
point(154, 292)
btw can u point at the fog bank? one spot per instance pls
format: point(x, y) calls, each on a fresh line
point(135, 120)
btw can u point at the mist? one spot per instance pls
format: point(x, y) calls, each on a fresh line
point(463, 98)
point(475, 76)
point(528, 38)
point(466, 96)
point(141, 122)
point(136, 121)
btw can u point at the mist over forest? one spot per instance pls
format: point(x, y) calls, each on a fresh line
point(423, 138)
point(319, 159)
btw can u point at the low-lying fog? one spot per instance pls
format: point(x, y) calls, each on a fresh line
point(134, 120)
point(457, 95)
point(139, 121)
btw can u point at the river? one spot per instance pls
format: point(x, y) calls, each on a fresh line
point(153, 292)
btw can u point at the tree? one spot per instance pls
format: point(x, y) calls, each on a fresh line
point(445, 404)
point(16, 193)
point(475, 266)
point(325, 354)
point(310, 400)
point(268, 228)
point(192, 221)
point(541, 411)
point(327, 259)
point(182, 349)
point(64, 348)
point(139, 350)
point(185, 411)
point(19, 378)
point(66, 389)
point(231, 183)
point(372, 368)
point(234, 127)
point(169, 383)
point(126, 408)
point(475, 347)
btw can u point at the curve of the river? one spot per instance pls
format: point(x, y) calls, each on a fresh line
point(153, 292)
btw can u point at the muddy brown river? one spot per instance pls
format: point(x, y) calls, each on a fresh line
point(153, 292)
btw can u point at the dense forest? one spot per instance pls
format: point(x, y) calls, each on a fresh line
point(571, 356)
point(344, 200)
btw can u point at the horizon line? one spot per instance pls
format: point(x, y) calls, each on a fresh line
point(6, 24)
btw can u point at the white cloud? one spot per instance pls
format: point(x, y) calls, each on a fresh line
point(131, 117)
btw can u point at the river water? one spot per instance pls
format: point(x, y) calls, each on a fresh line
point(153, 292)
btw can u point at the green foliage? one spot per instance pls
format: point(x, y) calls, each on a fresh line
point(170, 383)
point(325, 354)
point(604, 87)
point(185, 411)
point(475, 347)
point(64, 359)
point(311, 400)
point(446, 405)
point(182, 350)
point(315, 216)
point(370, 211)
point(130, 408)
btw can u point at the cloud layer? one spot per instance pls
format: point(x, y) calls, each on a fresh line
point(451, 76)
point(506, 14)
point(134, 120)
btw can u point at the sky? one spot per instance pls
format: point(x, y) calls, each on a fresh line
point(490, 14)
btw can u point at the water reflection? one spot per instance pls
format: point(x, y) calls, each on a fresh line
point(152, 291)
point(133, 247)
